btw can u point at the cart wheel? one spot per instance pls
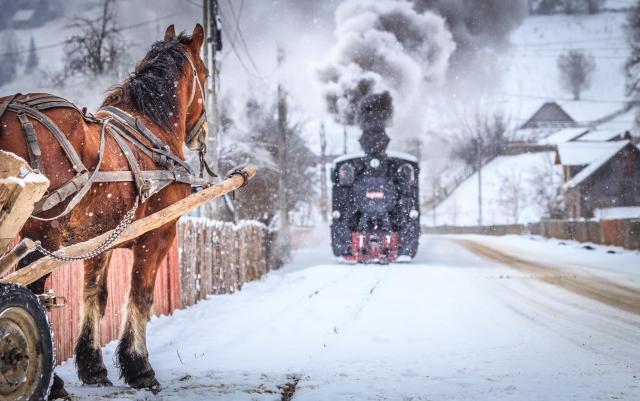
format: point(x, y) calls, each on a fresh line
point(26, 346)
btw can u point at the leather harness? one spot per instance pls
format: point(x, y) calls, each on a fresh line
point(125, 130)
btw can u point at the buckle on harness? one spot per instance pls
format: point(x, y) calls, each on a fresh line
point(145, 189)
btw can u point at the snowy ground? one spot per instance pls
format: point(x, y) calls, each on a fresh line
point(508, 193)
point(453, 325)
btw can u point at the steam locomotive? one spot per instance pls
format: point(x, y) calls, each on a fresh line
point(375, 203)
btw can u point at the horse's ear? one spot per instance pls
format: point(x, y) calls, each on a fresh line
point(197, 38)
point(170, 33)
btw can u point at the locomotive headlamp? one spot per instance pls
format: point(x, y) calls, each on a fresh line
point(414, 214)
point(375, 163)
point(407, 172)
point(335, 215)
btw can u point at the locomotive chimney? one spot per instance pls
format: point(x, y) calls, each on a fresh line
point(374, 113)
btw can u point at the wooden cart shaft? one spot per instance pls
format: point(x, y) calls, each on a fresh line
point(48, 264)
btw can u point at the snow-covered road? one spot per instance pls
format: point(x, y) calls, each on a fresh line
point(457, 324)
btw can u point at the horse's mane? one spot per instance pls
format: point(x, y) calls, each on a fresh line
point(151, 89)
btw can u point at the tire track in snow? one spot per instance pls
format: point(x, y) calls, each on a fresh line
point(598, 288)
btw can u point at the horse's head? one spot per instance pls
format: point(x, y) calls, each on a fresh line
point(194, 81)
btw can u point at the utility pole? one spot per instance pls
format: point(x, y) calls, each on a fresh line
point(213, 44)
point(212, 27)
point(478, 145)
point(344, 134)
point(323, 175)
point(284, 238)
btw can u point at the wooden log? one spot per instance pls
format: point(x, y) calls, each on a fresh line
point(20, 188)
point(47, 264)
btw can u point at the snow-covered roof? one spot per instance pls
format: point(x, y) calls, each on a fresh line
point(23, 15)
point(621, 123)
point(564, 135)
point(390, 153)
point(599, 136)
point(533, 134)
point(585, 111)
point(611, 213)
point(584, 153)
point(549, 114)
point(610, 150)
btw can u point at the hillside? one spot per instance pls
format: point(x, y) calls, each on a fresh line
point(530, 78)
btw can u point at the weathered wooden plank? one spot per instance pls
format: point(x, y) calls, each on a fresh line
point(46, 265)
point(20, 188)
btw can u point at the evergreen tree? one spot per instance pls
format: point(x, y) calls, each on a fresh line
point(32, 58)
point(9, 57)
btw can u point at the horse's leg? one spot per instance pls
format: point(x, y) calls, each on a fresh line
point(91, 369)
point(132, 354)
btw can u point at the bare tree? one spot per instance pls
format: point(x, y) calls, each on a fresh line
point(98, 48)
point(632, 67)
point(576, 68)
point(258, 145)
point(481, 140)
point(512, 195)
point(546, 183)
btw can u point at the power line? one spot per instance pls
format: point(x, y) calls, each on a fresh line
point(568, 42)
point(587, 100)
point(241, 36)
point(59, 44)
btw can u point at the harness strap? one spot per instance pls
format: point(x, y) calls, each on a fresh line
point(67, 147)
point(6, 103)
point(196, 128)
point(205, 166)
point(39, 101)
point(60, 194)
point(137, 124)
point(151, 175)
point(33, 147)
point(123, 120)
point(144, 187)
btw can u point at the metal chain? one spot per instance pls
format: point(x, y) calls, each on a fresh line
point(111, 238)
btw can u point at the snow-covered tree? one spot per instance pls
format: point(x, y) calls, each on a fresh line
point(257, 144)
point(576, 68)
point(32, 57)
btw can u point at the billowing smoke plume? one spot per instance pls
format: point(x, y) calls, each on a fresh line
point(477, 24)
point(479, 28)
point(384, 46)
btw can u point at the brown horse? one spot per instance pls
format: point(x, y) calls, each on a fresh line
point(160, 92)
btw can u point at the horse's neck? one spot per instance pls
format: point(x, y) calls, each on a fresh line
point(173, 138)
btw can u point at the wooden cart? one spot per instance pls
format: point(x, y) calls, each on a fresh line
point(27, 356)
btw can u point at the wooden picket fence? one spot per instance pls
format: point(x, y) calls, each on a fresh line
point(218, 257)
point(208, 258)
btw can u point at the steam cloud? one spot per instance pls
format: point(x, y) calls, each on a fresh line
point(396, 46)
point(478, 24)
point(384, 46)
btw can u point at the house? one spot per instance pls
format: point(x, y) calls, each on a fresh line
point(599, 176)
point(550, 115)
